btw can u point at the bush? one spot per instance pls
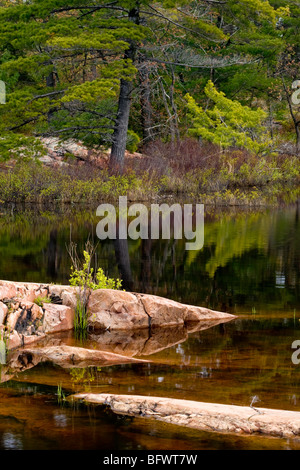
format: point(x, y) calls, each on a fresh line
point(133, 141)
point(84, 277)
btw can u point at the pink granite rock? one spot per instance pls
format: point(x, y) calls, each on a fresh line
point(57, 318)
point(3, 312)
point(242, 420)
point(114, 309)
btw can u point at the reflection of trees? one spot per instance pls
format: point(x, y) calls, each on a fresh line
point(123, 261)
point(243, 257)
point(146, 265)
point(33, 243)
point(248, 259)
point(53, 257)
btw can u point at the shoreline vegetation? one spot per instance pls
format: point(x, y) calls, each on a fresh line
point(206, 174)
point(210, 99)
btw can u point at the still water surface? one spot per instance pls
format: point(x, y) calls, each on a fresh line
point(249, 266)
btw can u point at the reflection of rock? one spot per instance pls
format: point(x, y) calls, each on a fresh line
point(202, 416)
point(129, 343)
point(63, 356)
point(113, 309)
point(144, 342)
point(163, 338)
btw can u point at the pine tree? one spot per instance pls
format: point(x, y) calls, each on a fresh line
point(62, 65)
point(228, 123)
point(73, 69)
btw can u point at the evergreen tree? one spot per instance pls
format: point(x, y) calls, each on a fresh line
point(228, 123)
point(74, 69)
point(63, 66)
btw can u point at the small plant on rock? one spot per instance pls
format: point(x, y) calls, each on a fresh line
point(42, 300)
point(4, 339)
point(87, 279)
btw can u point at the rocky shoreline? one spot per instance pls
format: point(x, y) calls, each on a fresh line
point(128, 324)
point(29, 312)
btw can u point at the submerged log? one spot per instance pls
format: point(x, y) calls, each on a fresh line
point(202, 416)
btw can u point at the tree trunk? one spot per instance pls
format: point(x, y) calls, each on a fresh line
point(51, 81)
point(120, 132)
point(293, 116)
point(119, 139)
point(123, 261)
point(146, 110)
point(297, 129)
point(173, 104)
point(170, 116)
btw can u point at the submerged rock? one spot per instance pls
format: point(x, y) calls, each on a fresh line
point(202, 416)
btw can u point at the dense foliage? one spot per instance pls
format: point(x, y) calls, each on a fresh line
point(127, 73)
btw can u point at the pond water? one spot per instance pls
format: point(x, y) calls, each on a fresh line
point(249, 266)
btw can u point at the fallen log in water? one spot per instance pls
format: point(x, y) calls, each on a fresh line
point(202, 416)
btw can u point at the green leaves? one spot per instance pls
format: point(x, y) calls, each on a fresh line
point(104, 41)
point(16, 146)
point(228, 123)
point(92, 91)
point(259, 10)
point(85, 278)
point(60, 64)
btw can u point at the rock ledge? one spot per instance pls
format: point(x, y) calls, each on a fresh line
point(202, 416)
point(30, 311)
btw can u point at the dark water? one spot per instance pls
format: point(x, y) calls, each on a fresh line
point(249, 266)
